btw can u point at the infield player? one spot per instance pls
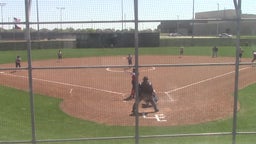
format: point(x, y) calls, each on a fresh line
point(129, 59)
point(18, 62)
point(133, 81)
point(145, 93)
point(155, 98)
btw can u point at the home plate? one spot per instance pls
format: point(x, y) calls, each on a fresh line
point(158, 117)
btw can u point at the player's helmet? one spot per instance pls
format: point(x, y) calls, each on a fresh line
point(145, 78)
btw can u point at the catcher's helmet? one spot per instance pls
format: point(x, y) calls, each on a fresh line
point(145, 78)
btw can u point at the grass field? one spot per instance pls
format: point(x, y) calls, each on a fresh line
point(227, 51)
point(52, 123)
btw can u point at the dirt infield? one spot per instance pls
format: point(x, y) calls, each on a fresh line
point(188, 95)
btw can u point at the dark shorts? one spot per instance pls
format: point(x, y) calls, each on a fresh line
point(17, 65)
point(130, 62)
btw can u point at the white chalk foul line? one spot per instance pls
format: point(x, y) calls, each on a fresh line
point(169, 96)
point(112, 70)
point(70, 91)
point(67, 84)
point(208, 79)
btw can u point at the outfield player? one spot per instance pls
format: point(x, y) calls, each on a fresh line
point(254, 56)
point(241, 51)
point(181, 51)
point(59, 54)
point(214, 52)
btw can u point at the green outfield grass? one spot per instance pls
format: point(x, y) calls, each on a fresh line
point(52, 123)
point(225, 51)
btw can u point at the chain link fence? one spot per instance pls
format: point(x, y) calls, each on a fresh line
point(74, 79)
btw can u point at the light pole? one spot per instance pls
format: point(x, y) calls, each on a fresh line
point(122, 9)
point(61, 9)
point(37, 16)
point(124, 22)
point(218, 17)
point(193, 22)
point(2, 5)
point(177, 23)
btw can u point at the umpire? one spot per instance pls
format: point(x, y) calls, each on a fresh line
point(145, 93)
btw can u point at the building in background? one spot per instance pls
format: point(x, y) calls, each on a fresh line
point(211, 23)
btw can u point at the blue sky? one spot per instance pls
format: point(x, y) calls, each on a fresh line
point(90, 10)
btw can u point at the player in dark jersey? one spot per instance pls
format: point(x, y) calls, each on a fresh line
point(18, 62)
point(146, 92)
point(181, 52)
point(241, 51)
point(215, 52)
point(129, 58)
point(133, 81)
point(59, 54)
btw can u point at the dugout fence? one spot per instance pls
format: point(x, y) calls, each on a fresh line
point(71, 116)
